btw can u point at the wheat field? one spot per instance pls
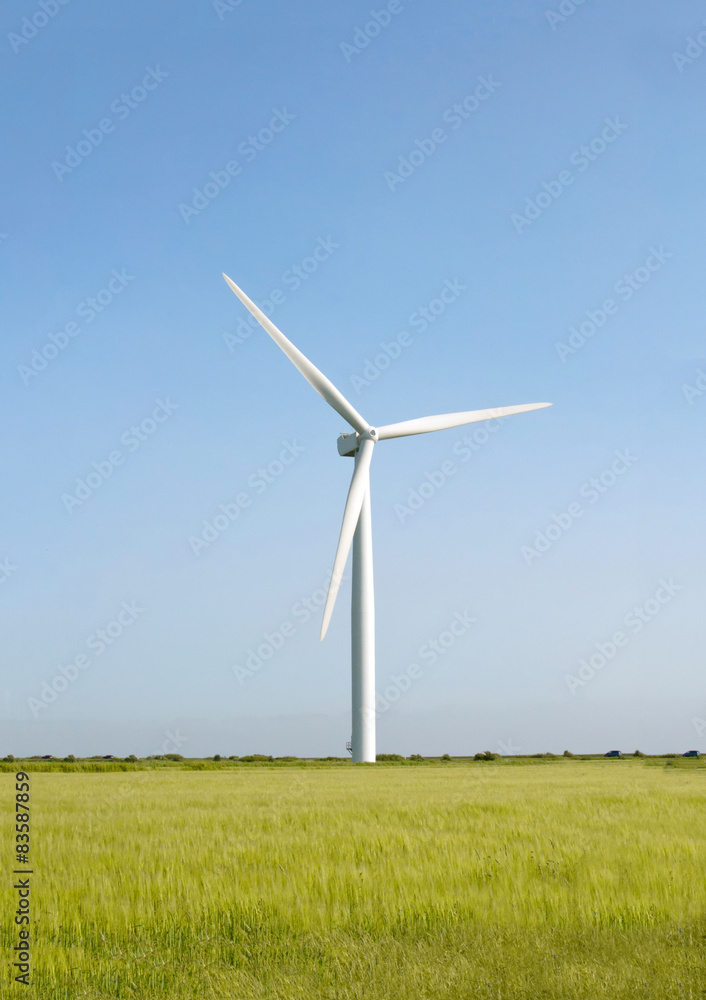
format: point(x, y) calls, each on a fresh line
point(452, 880)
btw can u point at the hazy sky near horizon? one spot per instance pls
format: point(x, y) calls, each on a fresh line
point(446, 207)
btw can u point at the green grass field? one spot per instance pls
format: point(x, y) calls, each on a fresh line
point(560, 880)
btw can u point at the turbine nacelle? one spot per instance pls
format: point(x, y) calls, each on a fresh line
point(349, 444)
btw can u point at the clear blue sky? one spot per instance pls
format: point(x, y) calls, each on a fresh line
point(148, 148)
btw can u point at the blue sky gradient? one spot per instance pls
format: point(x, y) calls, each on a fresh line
point(568, 191)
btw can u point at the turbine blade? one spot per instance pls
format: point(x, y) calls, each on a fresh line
point(311, 373)
point(444, 420)
point(360, 484)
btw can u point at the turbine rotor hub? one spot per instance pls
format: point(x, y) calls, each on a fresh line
point(349, 443)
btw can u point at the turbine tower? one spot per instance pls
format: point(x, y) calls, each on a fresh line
point(356, 530)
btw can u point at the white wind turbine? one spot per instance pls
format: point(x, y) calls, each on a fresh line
point(356, 528)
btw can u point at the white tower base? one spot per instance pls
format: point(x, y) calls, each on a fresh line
point(363, 639)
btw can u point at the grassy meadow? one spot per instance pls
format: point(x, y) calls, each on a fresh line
point(565, 879)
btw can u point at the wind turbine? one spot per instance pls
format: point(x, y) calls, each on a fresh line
point(356, 529)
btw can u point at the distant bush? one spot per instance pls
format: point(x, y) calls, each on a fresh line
point(172, 756)
point(256, 757)
point(131, 759)
point(9, 759)
point(446, 756)
point(568, 753)
point(234, 758)
point(415, 756)
point(70, 759)
point(216, 756)
point(486, 755)
point(389, 756)
point(326, 758)
point(295, 758)
point(638, 753)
